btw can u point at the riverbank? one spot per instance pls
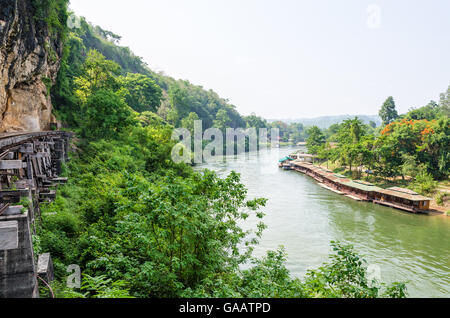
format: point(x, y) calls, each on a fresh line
point(440, 199)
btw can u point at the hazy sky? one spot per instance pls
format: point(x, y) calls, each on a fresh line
point(291, 58)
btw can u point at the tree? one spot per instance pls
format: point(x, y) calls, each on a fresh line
point(97, 73)
point(388, 113)
point(427, 141)
point(151, 119)
point(434, 150)
point(296, 132)
point(181, 103)
point(141, 225)
point(105, 114)
point(108, 35)
point(254, 121)
point(354, 147)
point(283, 129)
point(351, 131)
point(430, 112)
point(222, 120)
point(347, 277)
point(332, 131)
point(164, 235)
point(141, 92)
point(410, 167)
point(189, 122)
point(315, 140)
point(324, 152)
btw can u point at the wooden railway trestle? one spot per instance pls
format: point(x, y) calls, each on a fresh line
point(30, 168)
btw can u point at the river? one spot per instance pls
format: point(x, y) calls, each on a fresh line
point(304, 218)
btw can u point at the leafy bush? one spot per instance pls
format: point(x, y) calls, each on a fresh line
point(347, 277)
point(105, 115)
point(440, 198)
point(424, 183)
point(141, 92)
point(99, 287)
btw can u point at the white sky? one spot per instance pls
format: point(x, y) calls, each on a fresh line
point(290, 58)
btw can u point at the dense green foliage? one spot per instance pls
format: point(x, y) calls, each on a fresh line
point(142, 93)
point(140, 225)
point(54, 14)
point(346, 276)
point(315, 140)
point(105, 115)
point(157, 226)
point(427, 141)
point(354, 144)
point(416, 144)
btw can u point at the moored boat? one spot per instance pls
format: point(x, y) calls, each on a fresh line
point(399, 198)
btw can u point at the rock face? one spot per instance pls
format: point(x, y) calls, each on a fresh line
point(29, 59)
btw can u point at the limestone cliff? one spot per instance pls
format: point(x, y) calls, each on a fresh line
point(29, 62)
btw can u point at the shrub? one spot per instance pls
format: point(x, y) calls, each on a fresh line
point(424, 183)
point(440, 198)
point(106, 114)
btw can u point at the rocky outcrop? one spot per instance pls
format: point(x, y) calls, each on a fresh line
point(29, 63)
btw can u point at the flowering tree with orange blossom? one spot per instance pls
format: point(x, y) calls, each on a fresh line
point(427, 141)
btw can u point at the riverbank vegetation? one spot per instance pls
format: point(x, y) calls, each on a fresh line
point(140, 225)
point(410, 150)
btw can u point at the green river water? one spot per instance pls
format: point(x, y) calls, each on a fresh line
point(304, 218)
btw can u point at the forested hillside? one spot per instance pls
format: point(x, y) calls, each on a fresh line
point(173, 100)
point(325, 122)
point(177, 102)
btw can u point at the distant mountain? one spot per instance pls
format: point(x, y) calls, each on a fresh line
point(325, 122)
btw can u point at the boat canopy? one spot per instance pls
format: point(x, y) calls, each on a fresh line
point(286, 159)
point(404, 194)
